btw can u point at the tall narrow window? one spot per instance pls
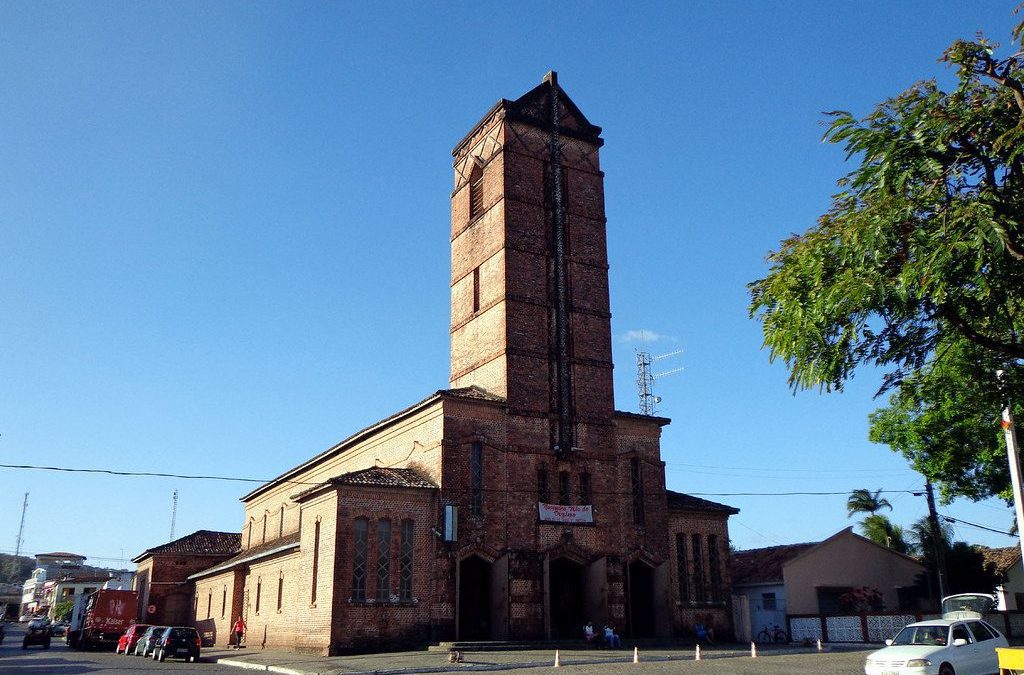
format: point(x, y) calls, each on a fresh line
point(638, 491)
point(264, 527)
point(259, 589)
point(316, 560)
point(195, 607)
point(223, 601)
point(714, 568)
point(586, 495)
point(476, 290)
point(280, 591)
point(543, 495)
point(383, 560)
point(682, 571)
point(564, 491)
point(360, 555)
point(248, 537)
point(476, 192)
point(280, 523)
point(209, 603)
point(476, 479)
point(405, 562)
point(698, 569)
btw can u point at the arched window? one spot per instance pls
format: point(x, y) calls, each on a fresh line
point(259, 588)
point(360, 553)
point(383, 560)
point(280, 523)
point(476, 479)
point(280, 590)
point(405, 549)
point(223, 601)
point(264, 527)
point(564, 491)
point(476, 191)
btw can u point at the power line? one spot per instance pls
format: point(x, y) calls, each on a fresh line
point(154, 474)
point(951, 519)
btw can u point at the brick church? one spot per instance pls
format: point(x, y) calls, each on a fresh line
point(517, 503)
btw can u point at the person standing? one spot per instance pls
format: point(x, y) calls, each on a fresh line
point(239, 630)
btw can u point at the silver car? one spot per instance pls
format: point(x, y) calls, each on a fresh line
point(147, 643)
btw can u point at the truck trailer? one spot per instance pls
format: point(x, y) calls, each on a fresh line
point(104, 618)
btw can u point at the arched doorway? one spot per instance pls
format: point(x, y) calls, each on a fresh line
point(566, 602)
point(474, 599)
point(640, 599)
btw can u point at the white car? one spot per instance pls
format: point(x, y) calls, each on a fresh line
point(939, 647)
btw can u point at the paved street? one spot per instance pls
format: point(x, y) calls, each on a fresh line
point(722, 660)
point(61, 660)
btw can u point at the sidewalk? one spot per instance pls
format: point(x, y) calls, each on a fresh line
point(399, 663)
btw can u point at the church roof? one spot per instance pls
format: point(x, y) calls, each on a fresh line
point(377, 476)
point(200, 542)
point(473, 393)
point(685, 502)
point(534, 107)
point(288, 542)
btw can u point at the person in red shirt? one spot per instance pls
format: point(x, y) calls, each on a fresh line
point(239, 630)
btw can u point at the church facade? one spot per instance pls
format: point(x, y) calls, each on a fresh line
point(517, 503)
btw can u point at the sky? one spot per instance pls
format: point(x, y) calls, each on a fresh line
point(224, 238)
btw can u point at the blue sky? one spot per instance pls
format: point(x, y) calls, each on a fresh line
point(224, 236)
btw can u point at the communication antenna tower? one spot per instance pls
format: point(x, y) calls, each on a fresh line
point(174, 512)
point(646, 377)
point(21, 528)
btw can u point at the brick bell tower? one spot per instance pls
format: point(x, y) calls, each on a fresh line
point(530, 316)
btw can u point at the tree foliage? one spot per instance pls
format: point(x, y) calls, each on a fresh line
point(918, 268)
point(881, 530)
point(865, 501)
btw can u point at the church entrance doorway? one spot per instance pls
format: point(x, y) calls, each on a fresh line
point(640, 599)
point(474, 599)
point(566, 599)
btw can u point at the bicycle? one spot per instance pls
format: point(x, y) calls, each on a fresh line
point(774, 635)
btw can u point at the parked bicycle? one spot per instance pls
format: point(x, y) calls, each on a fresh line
point(772, 635)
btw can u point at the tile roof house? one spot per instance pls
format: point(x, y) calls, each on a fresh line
point(1006, 561)
point(161, 578)
point(810, 578)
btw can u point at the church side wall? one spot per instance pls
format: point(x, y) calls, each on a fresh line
point(413, 442)
point(695, 599)
point(214, 600)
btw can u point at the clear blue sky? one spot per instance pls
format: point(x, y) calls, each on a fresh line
point(224, 236)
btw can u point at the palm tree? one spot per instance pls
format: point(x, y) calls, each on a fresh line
point(881, 530)
point(923, 540)
point(865, 501)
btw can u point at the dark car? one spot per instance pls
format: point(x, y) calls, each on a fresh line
point(146, 643)
point(37, 636)
point(178, 642)
point(126, 643)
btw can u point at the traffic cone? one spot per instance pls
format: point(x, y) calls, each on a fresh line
point(753, 650)
point(697, 656)
point(636, 655)
point(558, 662)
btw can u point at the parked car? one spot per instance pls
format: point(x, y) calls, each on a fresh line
point(126, 643)
point(38, 622)
point(178, 642)
point(144, 647)
point(939, 647)
point(37, 636)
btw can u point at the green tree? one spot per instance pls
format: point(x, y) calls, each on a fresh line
point(865, 501)
point(62, 610)
point(918, 267)
point(881, 530)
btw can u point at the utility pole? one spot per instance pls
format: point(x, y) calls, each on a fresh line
point(1013, 456)
point(938, 540)
point(21, 528)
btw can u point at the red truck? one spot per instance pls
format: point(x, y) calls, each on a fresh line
point(106, 616)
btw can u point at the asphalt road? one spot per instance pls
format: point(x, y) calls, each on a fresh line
point(60, 659)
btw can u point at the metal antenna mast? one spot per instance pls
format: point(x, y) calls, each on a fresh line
point(646, 377)
point(21, 528)
point(174, 512)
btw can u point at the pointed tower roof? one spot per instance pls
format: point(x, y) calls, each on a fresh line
point(534, 108)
